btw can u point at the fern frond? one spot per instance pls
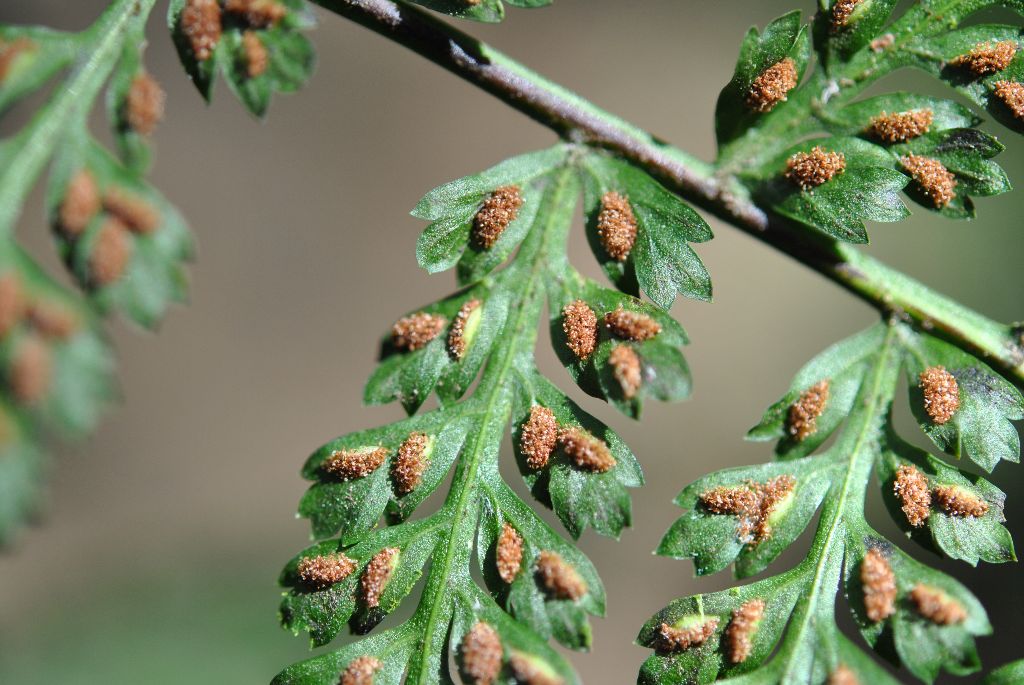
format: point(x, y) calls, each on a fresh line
point(256, 45)
point(914, 615)
point(122, 241)
point(539, 585)
point(929, 147)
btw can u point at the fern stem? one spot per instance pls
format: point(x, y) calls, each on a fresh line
point(577, 120)
point(28, 153)
point(857, 448)
point(494, 397)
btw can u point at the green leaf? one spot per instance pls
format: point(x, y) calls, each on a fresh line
point(154, 276)
point(714, 541)
point(782, 38)
point(407, 376)
point(836, 41)
point(484, 10)
point(966, 153)
point(256, 60)
point(980, 428)
point(859, 43)
point(705, 663)
point(40, 54)
point(525, 598)
point(865, 191)
point(923, 647)
point(967, 538)
point(452, 207)
point(920, 619)
point(580, 498)
point(133, 147)
point(22, 471)
point(843, 366)
point(1007, 674)
point(477, 262)
point(937, 54)
point(664, 373)
point(855, 119)
point(661, 261)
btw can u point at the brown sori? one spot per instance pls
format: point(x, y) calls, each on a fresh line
point(527, 671)
point(136, 213)
point(80, 204)
point(738, 636)
point(941, 394)
point(772, 495)
point(110, 253)
point(616, 225)
point(879, 586)
point(497, 211)
point(457, 334)
point(802, 421)
point(586, 451)
point(12, 303)
point(772, 86)
point(321, 572)
point(11, 51)
point(256, 55)
point(52, 319)
point(558, 578)
point(360, 671)
point(410, 463)
point(144, 104)
point(1012, 95)
point(625, 363)
point(631, 325)
point(672, 639)
point(579, 322)
point(936, 606)
point(258, 13)
point(538, 437)
point(987, 58)
point(841, 12)
point(753, 505)
point(413, 332)
point(958, 501)
point(200, 23)
point(377, 574)
point(481, 654)
point(808, 170)
point(354, 463)
point(932, 177)
point(731, 501)
point(843, 676)
point(900, 127)
point(883, 42)
point(508, 554)
point(911, 488)
point(31, 370)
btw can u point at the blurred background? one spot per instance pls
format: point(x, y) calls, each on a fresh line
point(156, 559)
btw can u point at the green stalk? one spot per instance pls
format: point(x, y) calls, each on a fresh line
point(823, 561)
point(493, 402)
